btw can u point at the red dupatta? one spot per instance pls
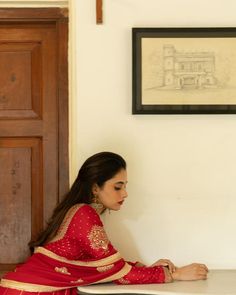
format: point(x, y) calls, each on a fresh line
point(47, 272)
point(79, 254)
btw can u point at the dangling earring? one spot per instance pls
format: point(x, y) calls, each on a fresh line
point(97, 205)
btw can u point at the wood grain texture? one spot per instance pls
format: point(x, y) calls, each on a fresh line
point(99, 11)
point(34, 167)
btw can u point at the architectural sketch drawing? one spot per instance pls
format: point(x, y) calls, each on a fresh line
point(188, 70)
point(171, 70)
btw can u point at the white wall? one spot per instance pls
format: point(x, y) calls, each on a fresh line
point(182, 192)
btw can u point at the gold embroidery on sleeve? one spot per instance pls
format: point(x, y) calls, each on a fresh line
point(105, 268)
point(98, 238)
point(63, 270)
point(124, 281)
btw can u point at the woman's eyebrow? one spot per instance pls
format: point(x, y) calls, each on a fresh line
point(121, 182)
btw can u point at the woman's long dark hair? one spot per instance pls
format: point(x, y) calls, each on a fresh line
point(96, 170)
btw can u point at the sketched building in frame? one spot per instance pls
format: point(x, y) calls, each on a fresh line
point(188, 70)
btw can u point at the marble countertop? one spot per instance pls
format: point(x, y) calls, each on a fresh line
point(219, 282)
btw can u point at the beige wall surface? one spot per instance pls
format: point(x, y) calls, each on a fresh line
point(181, 168)
point(34, 3)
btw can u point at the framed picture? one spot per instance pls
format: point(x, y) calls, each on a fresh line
point(184, 70)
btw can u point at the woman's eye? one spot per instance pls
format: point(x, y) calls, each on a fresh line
point(117, 188)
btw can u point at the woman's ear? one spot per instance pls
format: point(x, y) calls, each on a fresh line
point(95, 189)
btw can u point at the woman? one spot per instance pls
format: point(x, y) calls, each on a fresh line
point(74, 249)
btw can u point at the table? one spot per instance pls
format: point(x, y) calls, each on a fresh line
point(219, 282)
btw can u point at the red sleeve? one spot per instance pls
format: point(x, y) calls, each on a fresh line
point(90, 233)
point(143, 275)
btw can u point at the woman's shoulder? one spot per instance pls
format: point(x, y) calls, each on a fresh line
point(83, 210)
point(83, 207)
point(80, 213)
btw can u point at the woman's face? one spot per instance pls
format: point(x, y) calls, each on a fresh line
point(113, 193)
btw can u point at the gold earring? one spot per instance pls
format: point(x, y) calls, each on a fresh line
point(97, 205)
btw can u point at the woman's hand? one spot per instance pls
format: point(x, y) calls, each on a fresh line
point(165, 262)
point(168, 276)
point(191, 272)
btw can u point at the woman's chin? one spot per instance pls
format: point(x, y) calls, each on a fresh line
point(116, 207)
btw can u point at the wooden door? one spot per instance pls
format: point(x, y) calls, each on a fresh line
point(33, 125)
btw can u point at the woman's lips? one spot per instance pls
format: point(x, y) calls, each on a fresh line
point(121, 202)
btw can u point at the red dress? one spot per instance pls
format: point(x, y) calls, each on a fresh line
point(79, 254)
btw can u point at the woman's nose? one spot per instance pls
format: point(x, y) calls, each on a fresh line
point(125, 195)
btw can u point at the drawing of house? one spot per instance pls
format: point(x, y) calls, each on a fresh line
point(188, 69)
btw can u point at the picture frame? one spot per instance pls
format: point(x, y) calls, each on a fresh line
point(184, 70)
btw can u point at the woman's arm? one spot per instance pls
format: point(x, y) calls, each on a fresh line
point(91, 235)
point(146, 275)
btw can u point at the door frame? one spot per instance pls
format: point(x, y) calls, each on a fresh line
point(59, 17)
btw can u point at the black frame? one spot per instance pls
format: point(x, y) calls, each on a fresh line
point(137, 106)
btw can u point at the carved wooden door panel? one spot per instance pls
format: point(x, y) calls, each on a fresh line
point(33, 125)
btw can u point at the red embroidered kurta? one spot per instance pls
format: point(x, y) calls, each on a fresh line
point(80, 254)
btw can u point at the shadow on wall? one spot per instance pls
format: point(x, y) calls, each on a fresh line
point(117, 228)
point(122, 240)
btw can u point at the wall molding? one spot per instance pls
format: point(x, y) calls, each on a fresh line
point(34, 3)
